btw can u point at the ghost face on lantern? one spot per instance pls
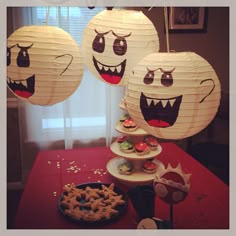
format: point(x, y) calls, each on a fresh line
point(44, 64)
point(114, 41)
point(173, 95)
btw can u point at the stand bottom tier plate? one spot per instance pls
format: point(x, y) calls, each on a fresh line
point(137, 177)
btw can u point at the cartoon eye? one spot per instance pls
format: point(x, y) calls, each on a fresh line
point(177, 196)
point(149, 77)
point(161, 190)
point(8, 56)
point(120, 46)
point(166, 78)
point(99, 43)
point(23, 59)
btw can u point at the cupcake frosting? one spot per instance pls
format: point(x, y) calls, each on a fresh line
point(150, 140)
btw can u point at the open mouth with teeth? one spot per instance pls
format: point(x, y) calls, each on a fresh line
point(111, 74)
point(160, 112)
point(22, 88)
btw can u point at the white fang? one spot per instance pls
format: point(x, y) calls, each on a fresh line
point(112, 69)
point(149, 101)
point(24, 82)
point(172, 101)
point(164, 102)
point(155, 102)
point(99, 66)
point(106, 68)
point(118, 68)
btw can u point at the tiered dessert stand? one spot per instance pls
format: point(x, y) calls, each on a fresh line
point(138, 176)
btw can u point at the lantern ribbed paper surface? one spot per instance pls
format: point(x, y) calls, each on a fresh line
point(114, 41)
point(44, 64)
point(173, 95)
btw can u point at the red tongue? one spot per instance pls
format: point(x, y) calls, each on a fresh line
point(23, 94)
point(112, 79)
point(158, 123)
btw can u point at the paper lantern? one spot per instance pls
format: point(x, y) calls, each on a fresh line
point(44, 64)
point(173, 95)
point(114, 41)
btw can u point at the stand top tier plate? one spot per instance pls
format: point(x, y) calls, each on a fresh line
point(137, 132)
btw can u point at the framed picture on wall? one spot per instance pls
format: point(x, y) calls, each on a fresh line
point(187, 19)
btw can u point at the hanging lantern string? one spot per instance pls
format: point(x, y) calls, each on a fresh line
point(166, 28)
point(47, 15)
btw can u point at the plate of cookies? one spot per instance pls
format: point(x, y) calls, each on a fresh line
point(93, 203)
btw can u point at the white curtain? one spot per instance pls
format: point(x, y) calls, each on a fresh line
point(87, 117)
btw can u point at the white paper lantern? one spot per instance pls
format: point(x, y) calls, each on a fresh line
point(173, 95)
point(44, 64)
point(114, 41)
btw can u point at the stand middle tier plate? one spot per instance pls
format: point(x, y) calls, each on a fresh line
point(115, 148)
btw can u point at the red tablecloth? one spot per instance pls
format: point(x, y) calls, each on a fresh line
point(206, 206)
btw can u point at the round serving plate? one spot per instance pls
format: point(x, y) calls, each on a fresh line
point(95, 185)
point(115, 148)
point(137, 177)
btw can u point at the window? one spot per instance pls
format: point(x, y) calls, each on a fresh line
point(86, 114)
point(72, 19)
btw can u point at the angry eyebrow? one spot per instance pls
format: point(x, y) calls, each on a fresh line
point(11, 46)
point(102, 33)
point(122, 36)
point(161, 69)
point(149, 70)
point(116, 35)
point(23, 47)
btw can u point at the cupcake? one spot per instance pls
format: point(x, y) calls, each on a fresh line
point(129, 125)
point(125, 168)
point(121, 139)
point(149, 167)
point(124, 117)
point(141, 148)
point(127, 146)
point(151, 142)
